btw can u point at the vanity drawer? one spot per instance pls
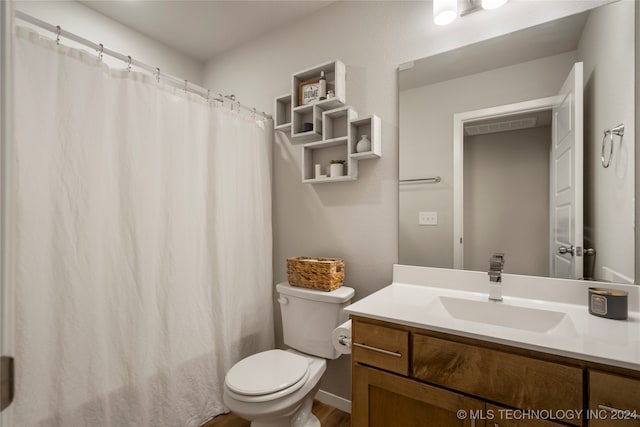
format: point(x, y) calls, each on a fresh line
point(506, 378)
point(380, 346)
point(618, 396)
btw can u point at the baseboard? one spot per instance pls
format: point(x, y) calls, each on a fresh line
point(335, 401)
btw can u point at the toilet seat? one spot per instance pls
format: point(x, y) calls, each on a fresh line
point(267, 376)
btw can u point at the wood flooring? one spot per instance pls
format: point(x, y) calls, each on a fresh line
point(328, 416)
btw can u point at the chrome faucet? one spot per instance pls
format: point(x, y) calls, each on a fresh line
point(496, 264)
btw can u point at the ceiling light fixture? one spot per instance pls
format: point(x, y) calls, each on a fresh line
point(444, 11)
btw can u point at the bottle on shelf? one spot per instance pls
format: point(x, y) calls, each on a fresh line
point(322, 86)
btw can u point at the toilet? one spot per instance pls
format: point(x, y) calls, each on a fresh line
point(275, 388)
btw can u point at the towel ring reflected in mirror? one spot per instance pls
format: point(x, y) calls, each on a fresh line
point(619, 131)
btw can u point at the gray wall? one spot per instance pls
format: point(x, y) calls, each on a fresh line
point(426, 148)
point(506, 200)
point(608, 57)
point(355, 220)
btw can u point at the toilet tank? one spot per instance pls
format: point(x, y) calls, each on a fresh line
point(309, 317)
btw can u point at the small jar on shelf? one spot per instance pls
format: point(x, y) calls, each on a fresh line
point(337, 168)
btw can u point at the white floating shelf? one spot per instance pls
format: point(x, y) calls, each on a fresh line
point(302, 115)
point(329, 104)
point(282, 113)
point(335, 123)
point(322, 153)
point(328, 128)
point(334, 71)
point(372, 127)
point(284, 128)
point(327, 143)
point(301, 108)
point(329, 179)
point(325, 104)
point(307, 136)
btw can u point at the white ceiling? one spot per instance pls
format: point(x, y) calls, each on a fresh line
point(204, 29)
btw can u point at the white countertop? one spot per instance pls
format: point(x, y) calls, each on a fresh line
point(579, 335)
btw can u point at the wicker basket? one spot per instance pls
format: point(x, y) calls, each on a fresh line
point(324, 274)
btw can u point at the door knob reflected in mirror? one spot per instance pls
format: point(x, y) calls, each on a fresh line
point(564, 250)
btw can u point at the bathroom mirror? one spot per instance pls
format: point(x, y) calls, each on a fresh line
point(482, 163)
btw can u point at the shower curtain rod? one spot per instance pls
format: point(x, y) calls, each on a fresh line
point(188, 86)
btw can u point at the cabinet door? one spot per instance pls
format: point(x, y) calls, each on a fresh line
point(382, 399)
point(497, 416)
point(613, 400)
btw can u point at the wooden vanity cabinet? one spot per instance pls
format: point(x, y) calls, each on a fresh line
point(613, 400)
point(383, 399)
point(406, 377)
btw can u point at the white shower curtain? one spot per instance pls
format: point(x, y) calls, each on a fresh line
point(142, 243)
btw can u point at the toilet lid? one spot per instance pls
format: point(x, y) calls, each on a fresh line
point(266, 372)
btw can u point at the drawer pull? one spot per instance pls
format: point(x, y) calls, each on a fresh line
point(626, 414)
point(379, 350)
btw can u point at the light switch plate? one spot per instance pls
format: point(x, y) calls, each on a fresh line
point(428, 218)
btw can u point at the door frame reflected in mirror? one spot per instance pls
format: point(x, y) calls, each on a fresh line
point(459, 121)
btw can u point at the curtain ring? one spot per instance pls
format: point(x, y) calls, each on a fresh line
point(253, 115)
point(59, 29)
point(158, 74)
point(100, 52)
point(607, 163)
point(231, 98)
point(186, 83)
point(129, 64)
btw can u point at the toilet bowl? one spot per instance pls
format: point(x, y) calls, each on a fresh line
point(275, 388)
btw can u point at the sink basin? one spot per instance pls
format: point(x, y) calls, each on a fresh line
point(500, 314)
